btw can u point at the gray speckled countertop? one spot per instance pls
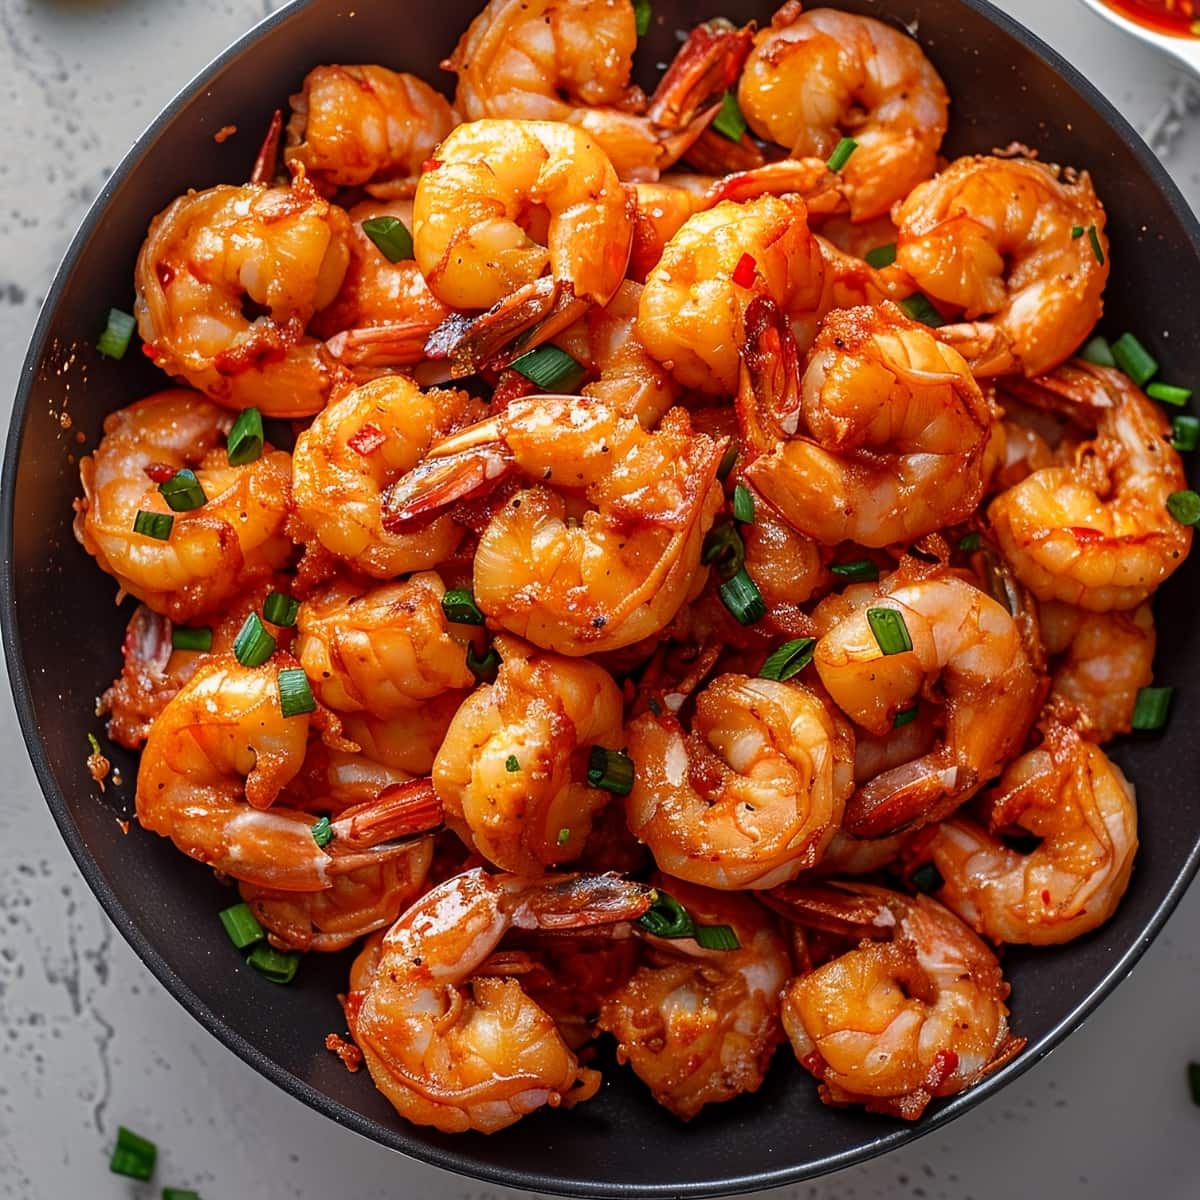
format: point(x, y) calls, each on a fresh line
point(89, 1040)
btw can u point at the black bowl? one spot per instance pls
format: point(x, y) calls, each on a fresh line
point(62, 632)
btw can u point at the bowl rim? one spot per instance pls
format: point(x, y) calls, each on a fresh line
point(399, 1138)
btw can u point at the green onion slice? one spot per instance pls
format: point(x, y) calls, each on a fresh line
point(841, 154)
point(728, 459)
point(552, 369)
point(253, 644)
point(970, 542)
point(459, 606)
point(905, 717)
point(1134, 359)
point(322, 832)
point(183, 638)
point(277, 965)
point(927, 879)
point(1185, 432)
point(295, 695)
point(1151, 708)
point(94, 743)
point(741, 596)
point(153, 524)
point(564, 836)
point(743, 504)
point(484, 669)
point(716, 937)
point(117, 335)
point(1077, 231)
point(1184, 507)
point(610, 770)
point(241, 925)
point(724, 549)
point(183, 491)
point(641, 16)
point(133, 1156)
point(920, 308)
point(881, 256)
point(862, 570)
point(391, 236)
point(1097, 249)
point(245, 443)
point(1169, 394)
point(281, 609)
point(891, 633)
point(729, 121)
point(512, 763)
point(1098, 352)
point(788, 660)
point(179, 1194)
point(667, 918)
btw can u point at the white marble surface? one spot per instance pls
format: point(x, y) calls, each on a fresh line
point(88, 1039)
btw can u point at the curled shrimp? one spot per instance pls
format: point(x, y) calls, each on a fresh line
point(882, 438)
point(1081, 808)
point(216, 759)
point(365, 125)
point(751, 796)
point(996, 238)
point(549, 568)
point(962, 640)
point(348, 456)
point(512, 771)
point(815, 77)
point(226, 545)
point(498, 191)
point(1097, 533)
point(460, 1051)
point(916, 1012)
point(700, 1026)
point(209, 257)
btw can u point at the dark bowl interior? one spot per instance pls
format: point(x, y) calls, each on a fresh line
point(63, 632)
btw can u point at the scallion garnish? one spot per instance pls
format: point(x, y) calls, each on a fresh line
point(1167, 393)
point(322, 832)
point(1097, 249)
point(862, 570)
point(787, 661)
point(1185, 432)
point(253, 644)
point(1077, 231)
point(1184, 507)
point(484, 669)
point(133, 1156)
point(729, 121)
point(641, 16)
point(184, 638)
point(281, 609)
point(1134, 359)
point(927, 879)
point(153, 524)
point(743, 504)
point(741, 596)
point(391, 236)
point(117, 335)
point(459, 606)
point(841, 154)
point(667, 918)
point(564, 836)
point(245, 442)
point(550, 368)
point(716, 937)
point(1098, 352)
point(241, 925)
point(727, 460)
point(970, 542)
point(881, 256)
point(724, 549)
point(179, 1194)
point(610, 770)
point(891, 633)
point(1193, 1074)
point(278, 966)
point(920, 308)
point(1151, 707)
point(295, 694)
point(94, 743)
point(905, 717)
point(182, 491)
point(512, 763)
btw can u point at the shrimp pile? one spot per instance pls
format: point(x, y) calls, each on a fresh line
point(690, 594)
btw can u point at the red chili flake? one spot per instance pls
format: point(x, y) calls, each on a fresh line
point(431, 164)
point(1046, 897)
point(159, 472)
point(945, 1063)
point(224, 133)
point(745, 272)
point(367, 440)
point(350, 1054)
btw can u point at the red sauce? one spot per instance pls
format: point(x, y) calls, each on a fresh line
point(1178, 17)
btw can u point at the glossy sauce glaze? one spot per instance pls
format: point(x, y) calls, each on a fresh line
point(1180, 18)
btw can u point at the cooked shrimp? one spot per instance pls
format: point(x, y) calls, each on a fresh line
point(567, 577)
point(815, 77)
point(752, 795)
point(365, 125)
point(512, 772)
point(699, 1026)
point(478, 1059)
point(996, 237)
point(213, 552)
point(502, 188)
point(915, 1013)
point(962, 639)
point(347, 457)
point(1097, 533)
point(1081, 808)
point(208, 258)
point(409, 741)
point(896, 426)
point(218, 756)
point(784, 564)
point(1099, 663)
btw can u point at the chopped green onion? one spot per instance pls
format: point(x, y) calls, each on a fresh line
point(391, 236)
point(92, 741)
point(179, 1194)
point(1169, 394)
point(724, 549)
point(970, 542)
point(1134, 359)
point(728, 459)
point(666, 918)
point(611, 770)
point(882, 256)
point(1184, 507)
point(512, 763)
point(322, 832)
point(281, 609)
point(133, 1156)
point(486, 668)
point(841, 154)
point(920, 308)
point(245, 442)
point(1077, 231)
point(276, 965)
point(295, 695)
point(552, 369)
point(459, 606)
point(1097, 249)
point(891, 633)
point(153, 524)
point(788, 660)
point(641, 16)
point(1185, 433)
point(716, 937)
point(906, 717)
point(241, 925)
point(927, 879)
point(1151, 707)
point(729, 121)
point(743, 504)
point(191, 639)
point(564, 836)
point(117, 335)
point(862, 570)
point(182, 491)
point(253, 644)
point(1098, 352)
point(1193, 1074)
point(741, 596)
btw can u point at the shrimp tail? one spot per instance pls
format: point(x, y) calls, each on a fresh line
point(399, 813)
point(399, 344)
point(988, 350)
point(769, 395)
point(267, 161)
point(830, 908)
point(707, 64)
point(925, 790)
point(563, 902)
point(439, 482)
